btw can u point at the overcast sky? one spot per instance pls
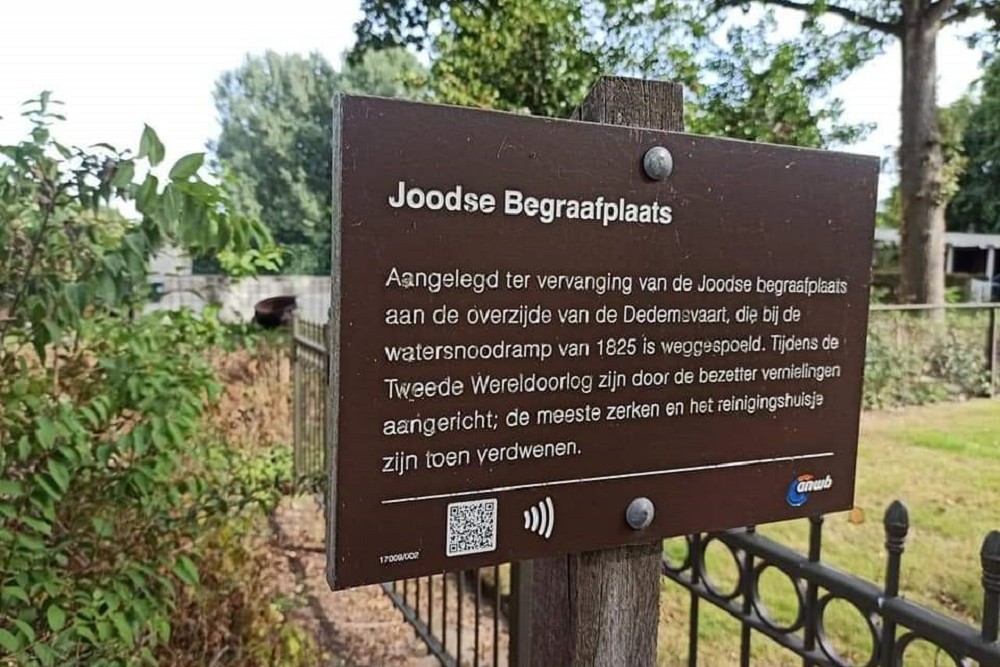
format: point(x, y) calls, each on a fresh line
point(120, 63)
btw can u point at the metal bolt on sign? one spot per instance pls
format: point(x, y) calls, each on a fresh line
point(639, 514)
point(658, 163)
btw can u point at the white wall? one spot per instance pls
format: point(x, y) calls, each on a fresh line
point(169, 262)
point(238, 298)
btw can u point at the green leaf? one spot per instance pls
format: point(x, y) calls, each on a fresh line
point(101, 526)
point(92, 419)
point(15, 592)
point(42, 481)
point(59, 473)
point(162, 628)
point(187, 166)
point(56, 617)
point(103, 453)
point(170, 207)
point(100, 404)
point(9, 487)
point(186, 571)
point(106, 288)
point(9, 641)
point(46, 433)
point(30, 543)
point(150, 146)
point(85, 632)
point(23, 448)
point(124, 174)
point(122, 626)
point(37, 525)
point(145, 196)
point(25, 629)
point(45, 654)
point(52, 329)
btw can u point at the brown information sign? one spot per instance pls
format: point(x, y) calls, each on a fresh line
point(530, 333)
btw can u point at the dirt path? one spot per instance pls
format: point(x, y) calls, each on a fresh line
point(358, 627)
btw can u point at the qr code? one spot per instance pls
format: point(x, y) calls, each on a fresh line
point(472, 527)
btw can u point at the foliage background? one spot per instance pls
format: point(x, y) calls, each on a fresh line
point(124, 515)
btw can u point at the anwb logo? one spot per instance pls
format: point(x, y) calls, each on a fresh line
point(803, 485)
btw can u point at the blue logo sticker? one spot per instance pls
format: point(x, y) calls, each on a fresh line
point(803, 485)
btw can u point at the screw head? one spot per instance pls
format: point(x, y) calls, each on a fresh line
point(658, 163)
point(640, 513)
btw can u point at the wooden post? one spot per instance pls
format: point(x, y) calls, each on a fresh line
point(601, 608)
point(991, 353)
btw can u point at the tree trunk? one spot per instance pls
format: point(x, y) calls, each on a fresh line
point(922, 243)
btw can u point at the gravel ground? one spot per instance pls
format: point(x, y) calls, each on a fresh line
point(356, 628)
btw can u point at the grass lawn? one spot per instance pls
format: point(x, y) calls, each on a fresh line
point(943, 462)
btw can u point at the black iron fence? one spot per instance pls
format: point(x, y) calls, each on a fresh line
point(465, 618)
point(461, 616)
point(897, 632)
point(310, 374)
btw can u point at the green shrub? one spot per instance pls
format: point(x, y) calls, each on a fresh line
point(98, 497)
point(913, 358)
point(235, 617)
point(108, 486)
point(111, 491)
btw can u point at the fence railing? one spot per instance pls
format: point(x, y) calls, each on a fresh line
point(463, 617)
point(899, 632)
point(310, 374)
point(460, 617)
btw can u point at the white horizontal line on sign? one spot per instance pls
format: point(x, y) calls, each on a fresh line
point(606, 478)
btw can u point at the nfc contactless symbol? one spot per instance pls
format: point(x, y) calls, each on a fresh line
point(540, 518)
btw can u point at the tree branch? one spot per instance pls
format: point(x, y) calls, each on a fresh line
point(938, 9)
point(36, 244)
point(968, 11)
point(848, 14)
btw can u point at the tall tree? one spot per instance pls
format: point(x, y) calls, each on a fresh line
point(953, 120)
point(651, 34)
point(916, 24)
point(533, 56)
point(276, 132)
point(274, 112)
point(976, 206)
point(753, 86)
point(541, 56)
point(386, 73)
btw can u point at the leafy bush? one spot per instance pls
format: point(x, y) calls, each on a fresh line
point(914, 358)
point(236, 616)
point(109, 491)
point(113, 495)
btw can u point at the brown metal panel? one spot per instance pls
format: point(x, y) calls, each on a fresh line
point(710, 445)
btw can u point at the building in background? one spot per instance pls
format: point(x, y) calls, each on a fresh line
point(973, 255)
